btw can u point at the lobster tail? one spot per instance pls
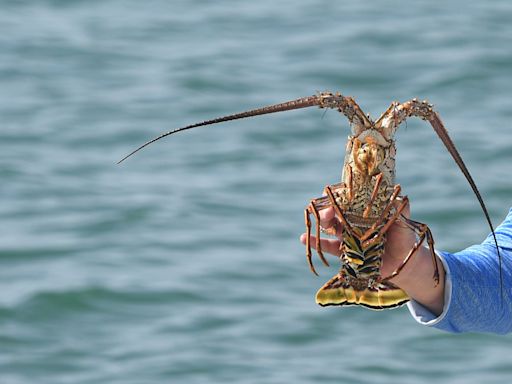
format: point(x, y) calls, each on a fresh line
point(338, 291)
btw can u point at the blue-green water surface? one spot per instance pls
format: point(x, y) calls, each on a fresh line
point(183, 264)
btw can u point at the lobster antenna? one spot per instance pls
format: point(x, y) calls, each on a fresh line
point(441, 131)
point(286, 106)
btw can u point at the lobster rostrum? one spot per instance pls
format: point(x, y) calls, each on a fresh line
point(367, 201)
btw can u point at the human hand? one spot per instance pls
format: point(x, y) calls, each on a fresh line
point(415, 278)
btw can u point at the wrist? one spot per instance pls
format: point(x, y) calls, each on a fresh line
point(417, 280)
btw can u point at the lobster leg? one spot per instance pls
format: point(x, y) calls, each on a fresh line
point(423, 232)
point(378, 180)
point(313, 209)
point(307, 220)
point(338, 210)
point(384, 215)
point(390, 221)
point(418, 228)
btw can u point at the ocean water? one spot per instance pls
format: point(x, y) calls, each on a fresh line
point(183, 265)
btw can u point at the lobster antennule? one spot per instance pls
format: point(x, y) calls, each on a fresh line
point(303, 102)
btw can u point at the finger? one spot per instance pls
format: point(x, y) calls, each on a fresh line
point(328, 220)
point(327, 217)
point(331, 246)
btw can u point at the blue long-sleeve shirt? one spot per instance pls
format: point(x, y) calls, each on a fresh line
point(473, 301)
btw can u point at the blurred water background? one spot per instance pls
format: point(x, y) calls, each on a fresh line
point(183, 264)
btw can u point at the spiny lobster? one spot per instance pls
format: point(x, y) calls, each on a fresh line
point(367, 201)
